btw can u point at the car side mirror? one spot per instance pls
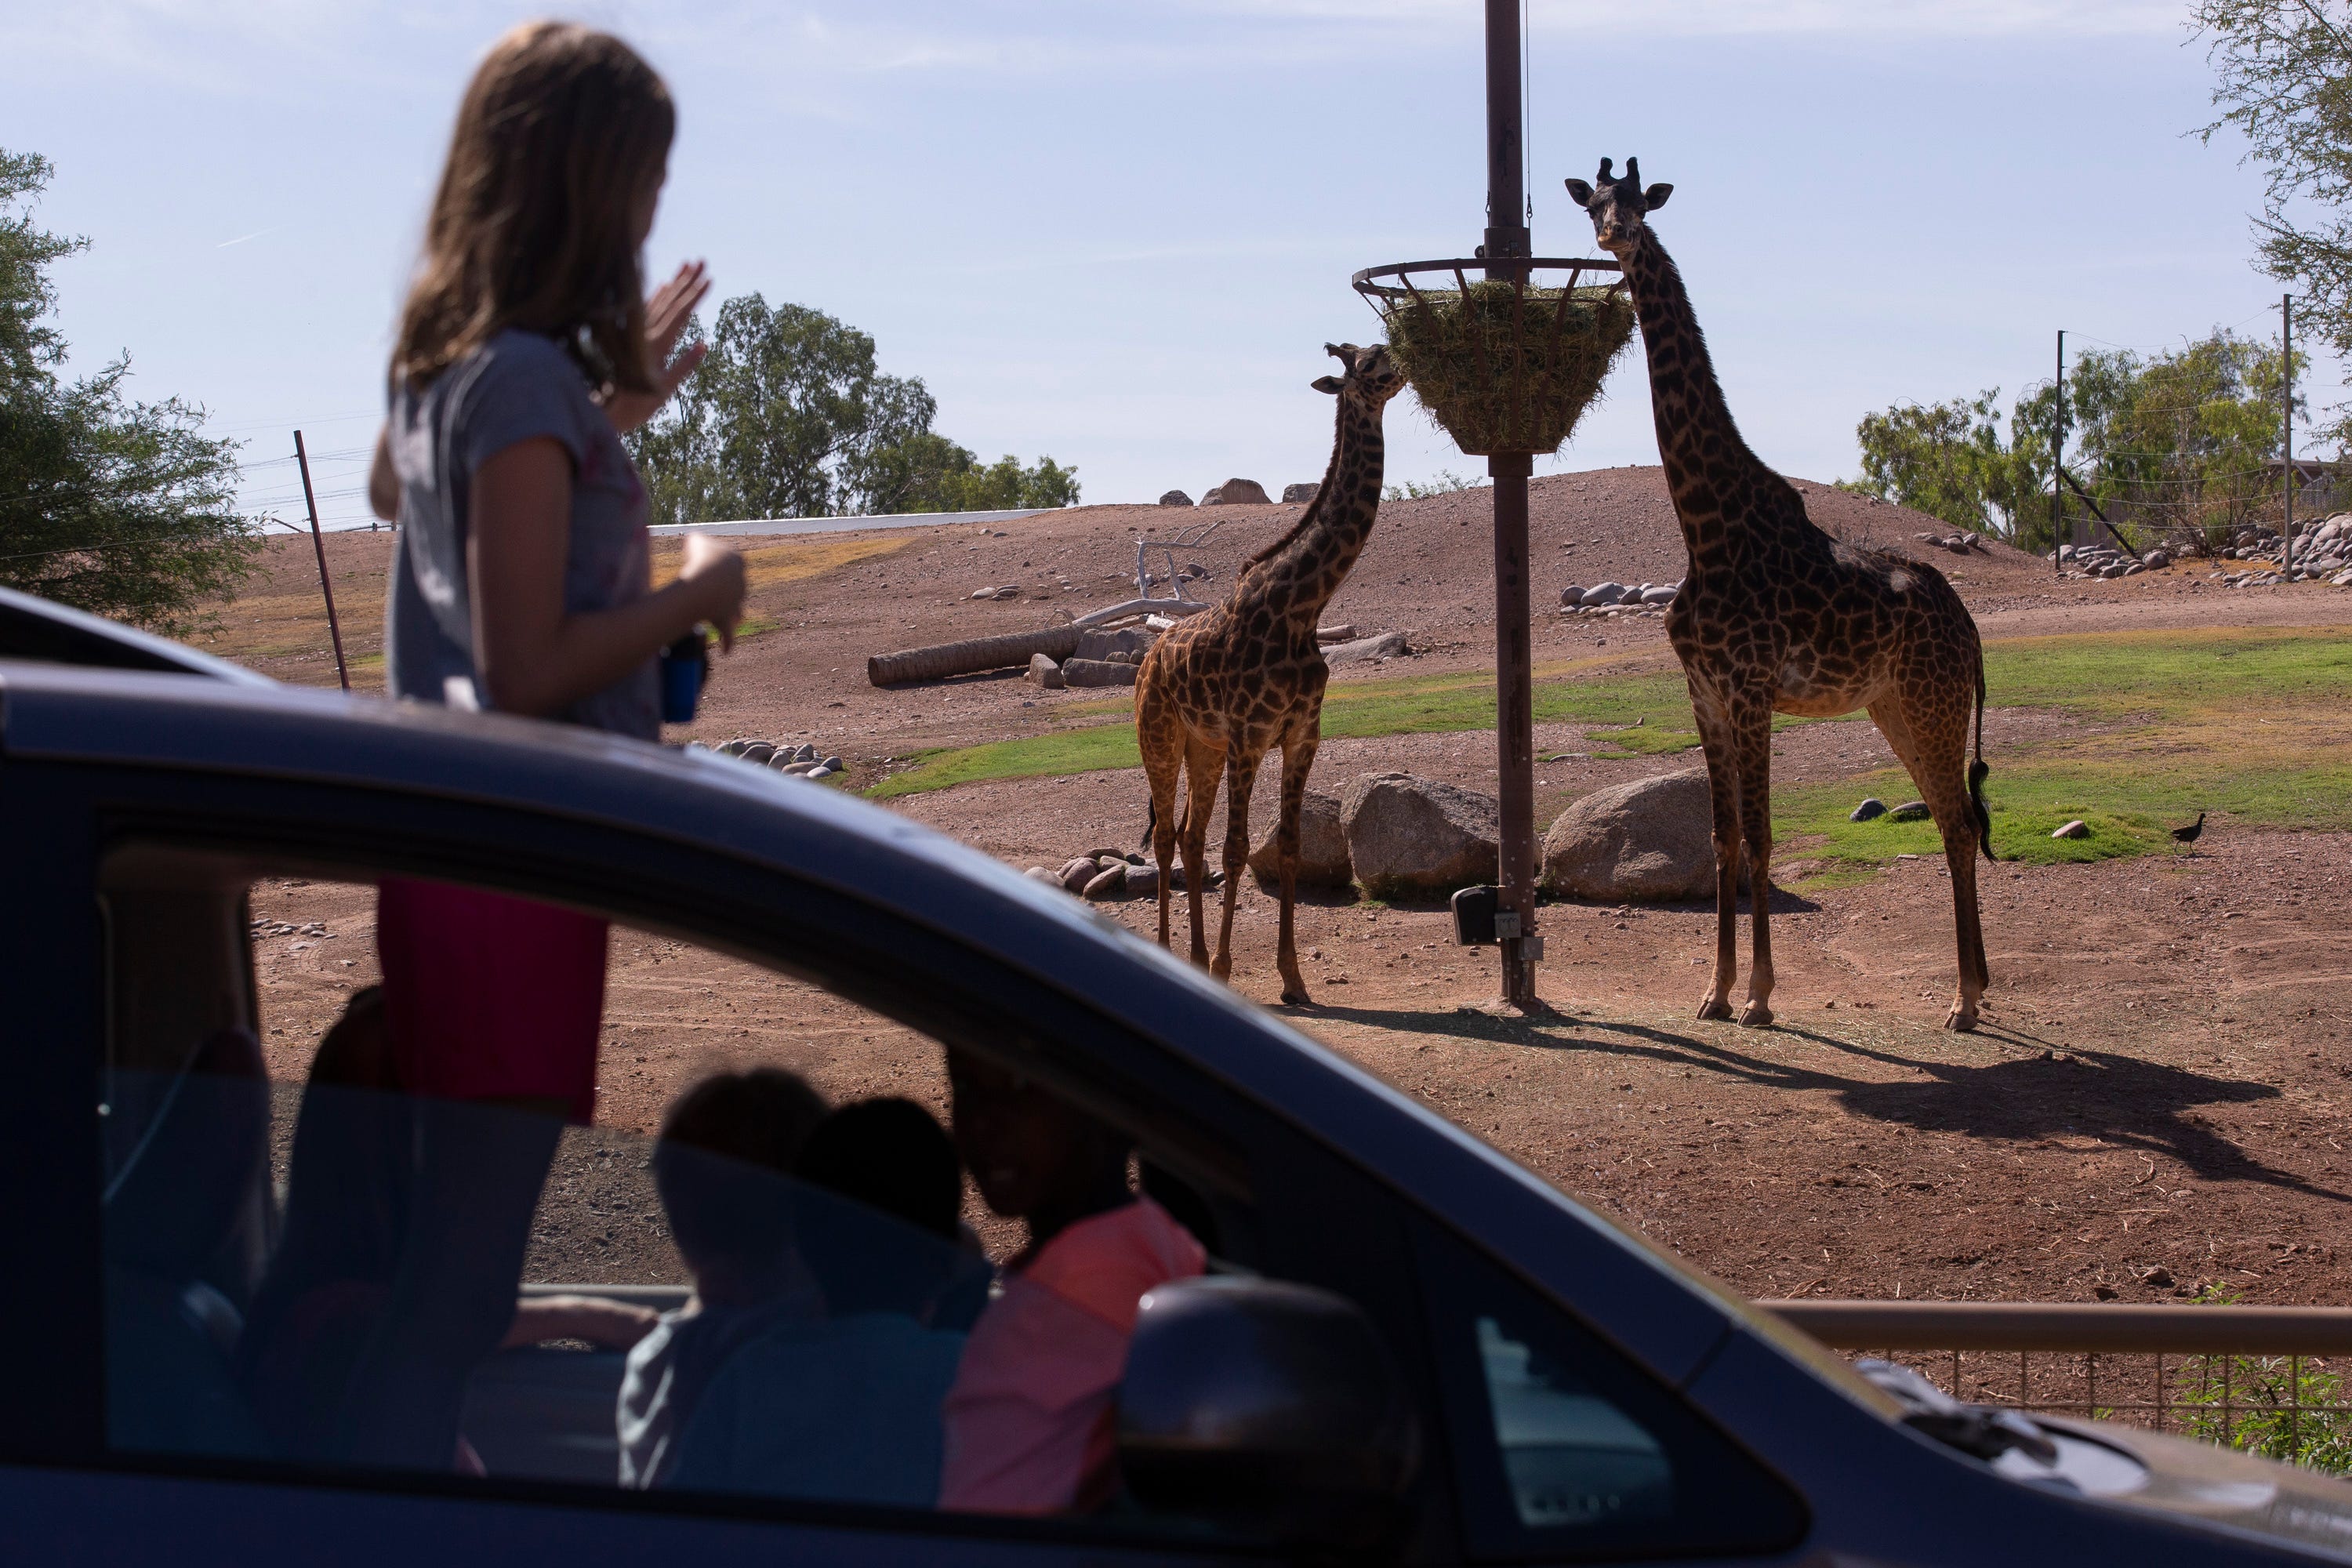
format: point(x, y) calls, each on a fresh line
point(1269, 1409)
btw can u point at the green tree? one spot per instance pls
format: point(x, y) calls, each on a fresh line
point(1951, 461)
point(2283, 72)
point(2172, 446)
point(111, 505)
point(789, 417)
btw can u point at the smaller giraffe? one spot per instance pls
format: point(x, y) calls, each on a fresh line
point(1775, 616)
point(1223, 688)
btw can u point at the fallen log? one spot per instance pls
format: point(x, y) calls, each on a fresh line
point(1011, 650)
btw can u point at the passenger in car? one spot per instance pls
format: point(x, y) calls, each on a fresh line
point(847, 1409)
point(723, 1168)
point(1029, 1418)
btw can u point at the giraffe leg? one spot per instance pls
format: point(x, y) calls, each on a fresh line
point(1297, 759)
point(1160, 737)
point(1241, 778)
point(1937, 762)
point(1755, 753)
point(1723, 790)
point(1203, 763)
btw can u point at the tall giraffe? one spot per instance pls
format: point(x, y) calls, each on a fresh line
point(1775, 616)
point(1220, 689)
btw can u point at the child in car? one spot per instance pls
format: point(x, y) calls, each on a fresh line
point(847, 1409)
point(723, 1169)
point(1029, 1419)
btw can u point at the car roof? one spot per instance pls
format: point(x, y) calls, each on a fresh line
point(32, 627)
point(1656, 1307)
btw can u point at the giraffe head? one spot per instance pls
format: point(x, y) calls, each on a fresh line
point(1616, 206)
point(1372, 376)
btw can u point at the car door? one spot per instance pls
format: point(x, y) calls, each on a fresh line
point(132, 926)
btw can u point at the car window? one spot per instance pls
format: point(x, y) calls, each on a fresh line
point(1564, 1449)
point(596, 1205)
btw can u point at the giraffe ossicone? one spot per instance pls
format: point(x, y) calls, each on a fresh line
point(1222, 688)
point(1775, 616)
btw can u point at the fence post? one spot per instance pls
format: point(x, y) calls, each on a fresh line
point(319, 543)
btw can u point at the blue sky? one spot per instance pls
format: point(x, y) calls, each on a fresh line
point(1120, 232)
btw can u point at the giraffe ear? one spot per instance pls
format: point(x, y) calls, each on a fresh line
point(1655, 197)
point(1330, 383)
point(1579, 193)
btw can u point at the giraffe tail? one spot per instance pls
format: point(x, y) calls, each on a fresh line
point(1977, 771)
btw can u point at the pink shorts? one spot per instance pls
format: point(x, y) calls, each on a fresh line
point(490, 997)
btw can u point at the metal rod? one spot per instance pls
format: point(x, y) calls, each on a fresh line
point(2286, 428)
point(319, 543)
point(2057, 449)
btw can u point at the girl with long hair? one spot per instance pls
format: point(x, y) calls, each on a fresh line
point(520, 583)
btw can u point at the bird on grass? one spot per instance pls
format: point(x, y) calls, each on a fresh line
point(2189, 834)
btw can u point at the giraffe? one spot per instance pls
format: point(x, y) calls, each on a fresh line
point(1220, 689)
point(1775, 616)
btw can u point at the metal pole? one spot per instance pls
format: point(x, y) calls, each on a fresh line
point(1514, 745)
point(319, 543)
point(2057, 450)
point(2286, 427)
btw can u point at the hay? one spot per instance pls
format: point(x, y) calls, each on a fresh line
point(1504, 374)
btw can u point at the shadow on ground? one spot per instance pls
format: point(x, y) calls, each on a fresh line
point(2040, 1093)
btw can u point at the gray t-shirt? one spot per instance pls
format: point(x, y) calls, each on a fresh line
point(516, 388)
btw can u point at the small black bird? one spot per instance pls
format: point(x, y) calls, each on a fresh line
point(2189, 834)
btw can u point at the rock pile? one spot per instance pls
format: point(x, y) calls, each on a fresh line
point(2106, 560)
point(803, 760)
point(2323, 553)
point(1959, 543)
point(1102, 658)
point(1618, 598)
point(1106, 876)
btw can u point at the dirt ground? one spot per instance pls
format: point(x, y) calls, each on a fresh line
point(2154, 1107)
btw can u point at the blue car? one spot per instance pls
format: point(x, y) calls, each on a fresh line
point(1405, 1348)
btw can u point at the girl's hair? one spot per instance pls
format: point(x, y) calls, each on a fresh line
point(561, 142)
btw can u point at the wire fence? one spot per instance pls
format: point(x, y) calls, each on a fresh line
point(2274, 1381)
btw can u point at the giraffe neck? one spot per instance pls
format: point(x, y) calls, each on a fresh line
point(1298, 574)
point(1701, 449)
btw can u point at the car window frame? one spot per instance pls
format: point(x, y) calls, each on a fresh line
point(306, 825)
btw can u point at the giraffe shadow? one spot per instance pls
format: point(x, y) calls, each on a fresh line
point(2035, 1095)
point(1784, 902)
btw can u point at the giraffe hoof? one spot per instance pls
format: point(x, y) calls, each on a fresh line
point(1295, 996)
point(1960, 1021)
point(1713, 1007)
point(1223, 968)
point(1755, 1015)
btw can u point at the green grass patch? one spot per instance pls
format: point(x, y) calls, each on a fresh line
point(2028, 805)
point(1089, 750)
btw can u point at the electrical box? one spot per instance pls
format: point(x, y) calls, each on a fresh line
point(1474, 909)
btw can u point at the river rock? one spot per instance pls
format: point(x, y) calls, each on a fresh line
point(1042, 875)
point(1238, 492)
point(1108, 886)
point(1651, 839)
point(1322, 846)
point(1415, 838)
point(1175, 498)
point(1663, 594)
point(1602, 594)
point(1098, 672)
point(1076, 873)
point(1387, 644)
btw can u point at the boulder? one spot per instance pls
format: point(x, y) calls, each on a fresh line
point(1106, 886)
point(756, 752)
point(1095, 644)
point(1572, 596)
point(1238, 492)
point(2157, 560)
point(1175, 498)
point(1042, 875)
point(1416, 837)
point(1098, 672)
point(1044, 672)
point(1344, 631)
point(1910, 811)
point(1663, 594)
point(1076, 874)
point(1652, 839)
point(1602, 594)
point(1301, 494)
point(1387, 644)
point(1871, 807)
point(2075, 829)
point(1322, 846)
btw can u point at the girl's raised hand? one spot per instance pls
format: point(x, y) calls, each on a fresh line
point(667, 312)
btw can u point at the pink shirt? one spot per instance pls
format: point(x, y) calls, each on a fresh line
point(1029, 1417)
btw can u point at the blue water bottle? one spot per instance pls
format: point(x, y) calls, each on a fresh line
point(685, 665)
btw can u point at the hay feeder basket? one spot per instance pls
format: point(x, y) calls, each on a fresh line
point(1509, 362)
